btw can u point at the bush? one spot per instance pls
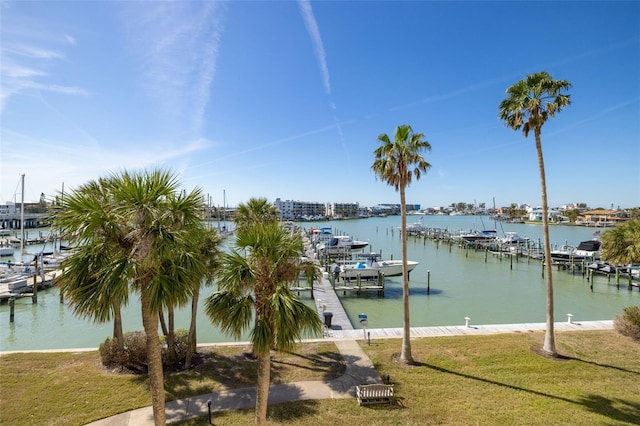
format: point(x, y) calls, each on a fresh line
point(180, 346)
point(110, 354)
point(628, 322)
point(134, 355)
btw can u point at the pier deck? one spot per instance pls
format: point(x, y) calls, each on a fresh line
point(418, 332)
point(327, 301)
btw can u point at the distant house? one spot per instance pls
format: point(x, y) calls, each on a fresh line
point(602, 217)
point(554, 215)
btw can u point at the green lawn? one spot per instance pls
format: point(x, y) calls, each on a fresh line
point(465, 380)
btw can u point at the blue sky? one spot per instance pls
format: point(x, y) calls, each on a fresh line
point(286, 99)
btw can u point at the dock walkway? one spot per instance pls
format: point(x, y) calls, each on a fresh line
point(327, 301)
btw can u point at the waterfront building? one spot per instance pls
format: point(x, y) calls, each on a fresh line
point(296, 210)
point(554, 215)
point(343, 210)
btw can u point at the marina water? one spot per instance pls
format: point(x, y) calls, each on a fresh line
point(462, 283)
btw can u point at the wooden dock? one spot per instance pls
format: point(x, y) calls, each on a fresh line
point(25, 288)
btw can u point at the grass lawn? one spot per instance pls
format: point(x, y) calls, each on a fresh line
point(462, 380)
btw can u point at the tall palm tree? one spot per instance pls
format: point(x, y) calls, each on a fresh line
point(397, 163)
point(253, 283)
point(529, 104)
point(152, 234)
point(621, 245)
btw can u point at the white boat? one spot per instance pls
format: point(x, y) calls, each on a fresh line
point(486, 235)
point(341, 244)
point(372, 265)
point(6, 249)
point(320, 235)
point(586, 250)
point(513, 238)
point(6, 246)
point(417, 226)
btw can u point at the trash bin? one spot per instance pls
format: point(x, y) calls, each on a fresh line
point(327, 318)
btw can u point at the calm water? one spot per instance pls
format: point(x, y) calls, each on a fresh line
point(462, 284)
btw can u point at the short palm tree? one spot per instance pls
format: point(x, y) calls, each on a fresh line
point(621, 245)
point(397, 163)
point(150, 237)
point(256, 210)
point(253, 283)
point(528, 105)
point(94, 283)
point(210, 256)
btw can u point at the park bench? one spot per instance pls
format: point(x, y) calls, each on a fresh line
point(374, 394)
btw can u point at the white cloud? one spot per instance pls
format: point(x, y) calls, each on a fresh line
point(178, 43)
point(24, 63)
point(312, 28)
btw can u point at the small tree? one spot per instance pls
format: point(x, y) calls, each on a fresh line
point(254, 281)
point(621, 245)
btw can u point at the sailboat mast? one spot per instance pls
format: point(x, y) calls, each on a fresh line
point(22, 216)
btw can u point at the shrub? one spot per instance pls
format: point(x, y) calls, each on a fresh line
point(109, 353)
point(180, 345)
point(135, 347)
point(134, 355)
point(628, 322)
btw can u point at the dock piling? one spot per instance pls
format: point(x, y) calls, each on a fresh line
point(12, 308)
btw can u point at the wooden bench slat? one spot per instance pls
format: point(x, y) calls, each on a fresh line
point(374, 394)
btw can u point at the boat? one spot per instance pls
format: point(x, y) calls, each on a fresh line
point(512, 242)
point(320, 235)
point(485, 235)
point(6, 249)
point(586, 250)
point(589, 249)
point(371, 266)
point(416, 227)
point(513, 238)
point(341, 244)
point(602, 267)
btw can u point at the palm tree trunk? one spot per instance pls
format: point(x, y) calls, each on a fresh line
point(262, 390)
point(154, 360)
point(549, 338)
point(171, 336)
point(163, 324)
point(191, 337)
point(118, 335)
point(405, 355)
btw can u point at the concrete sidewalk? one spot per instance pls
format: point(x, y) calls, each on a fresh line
point(359, 370)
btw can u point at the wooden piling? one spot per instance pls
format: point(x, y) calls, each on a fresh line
point(34, 296)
